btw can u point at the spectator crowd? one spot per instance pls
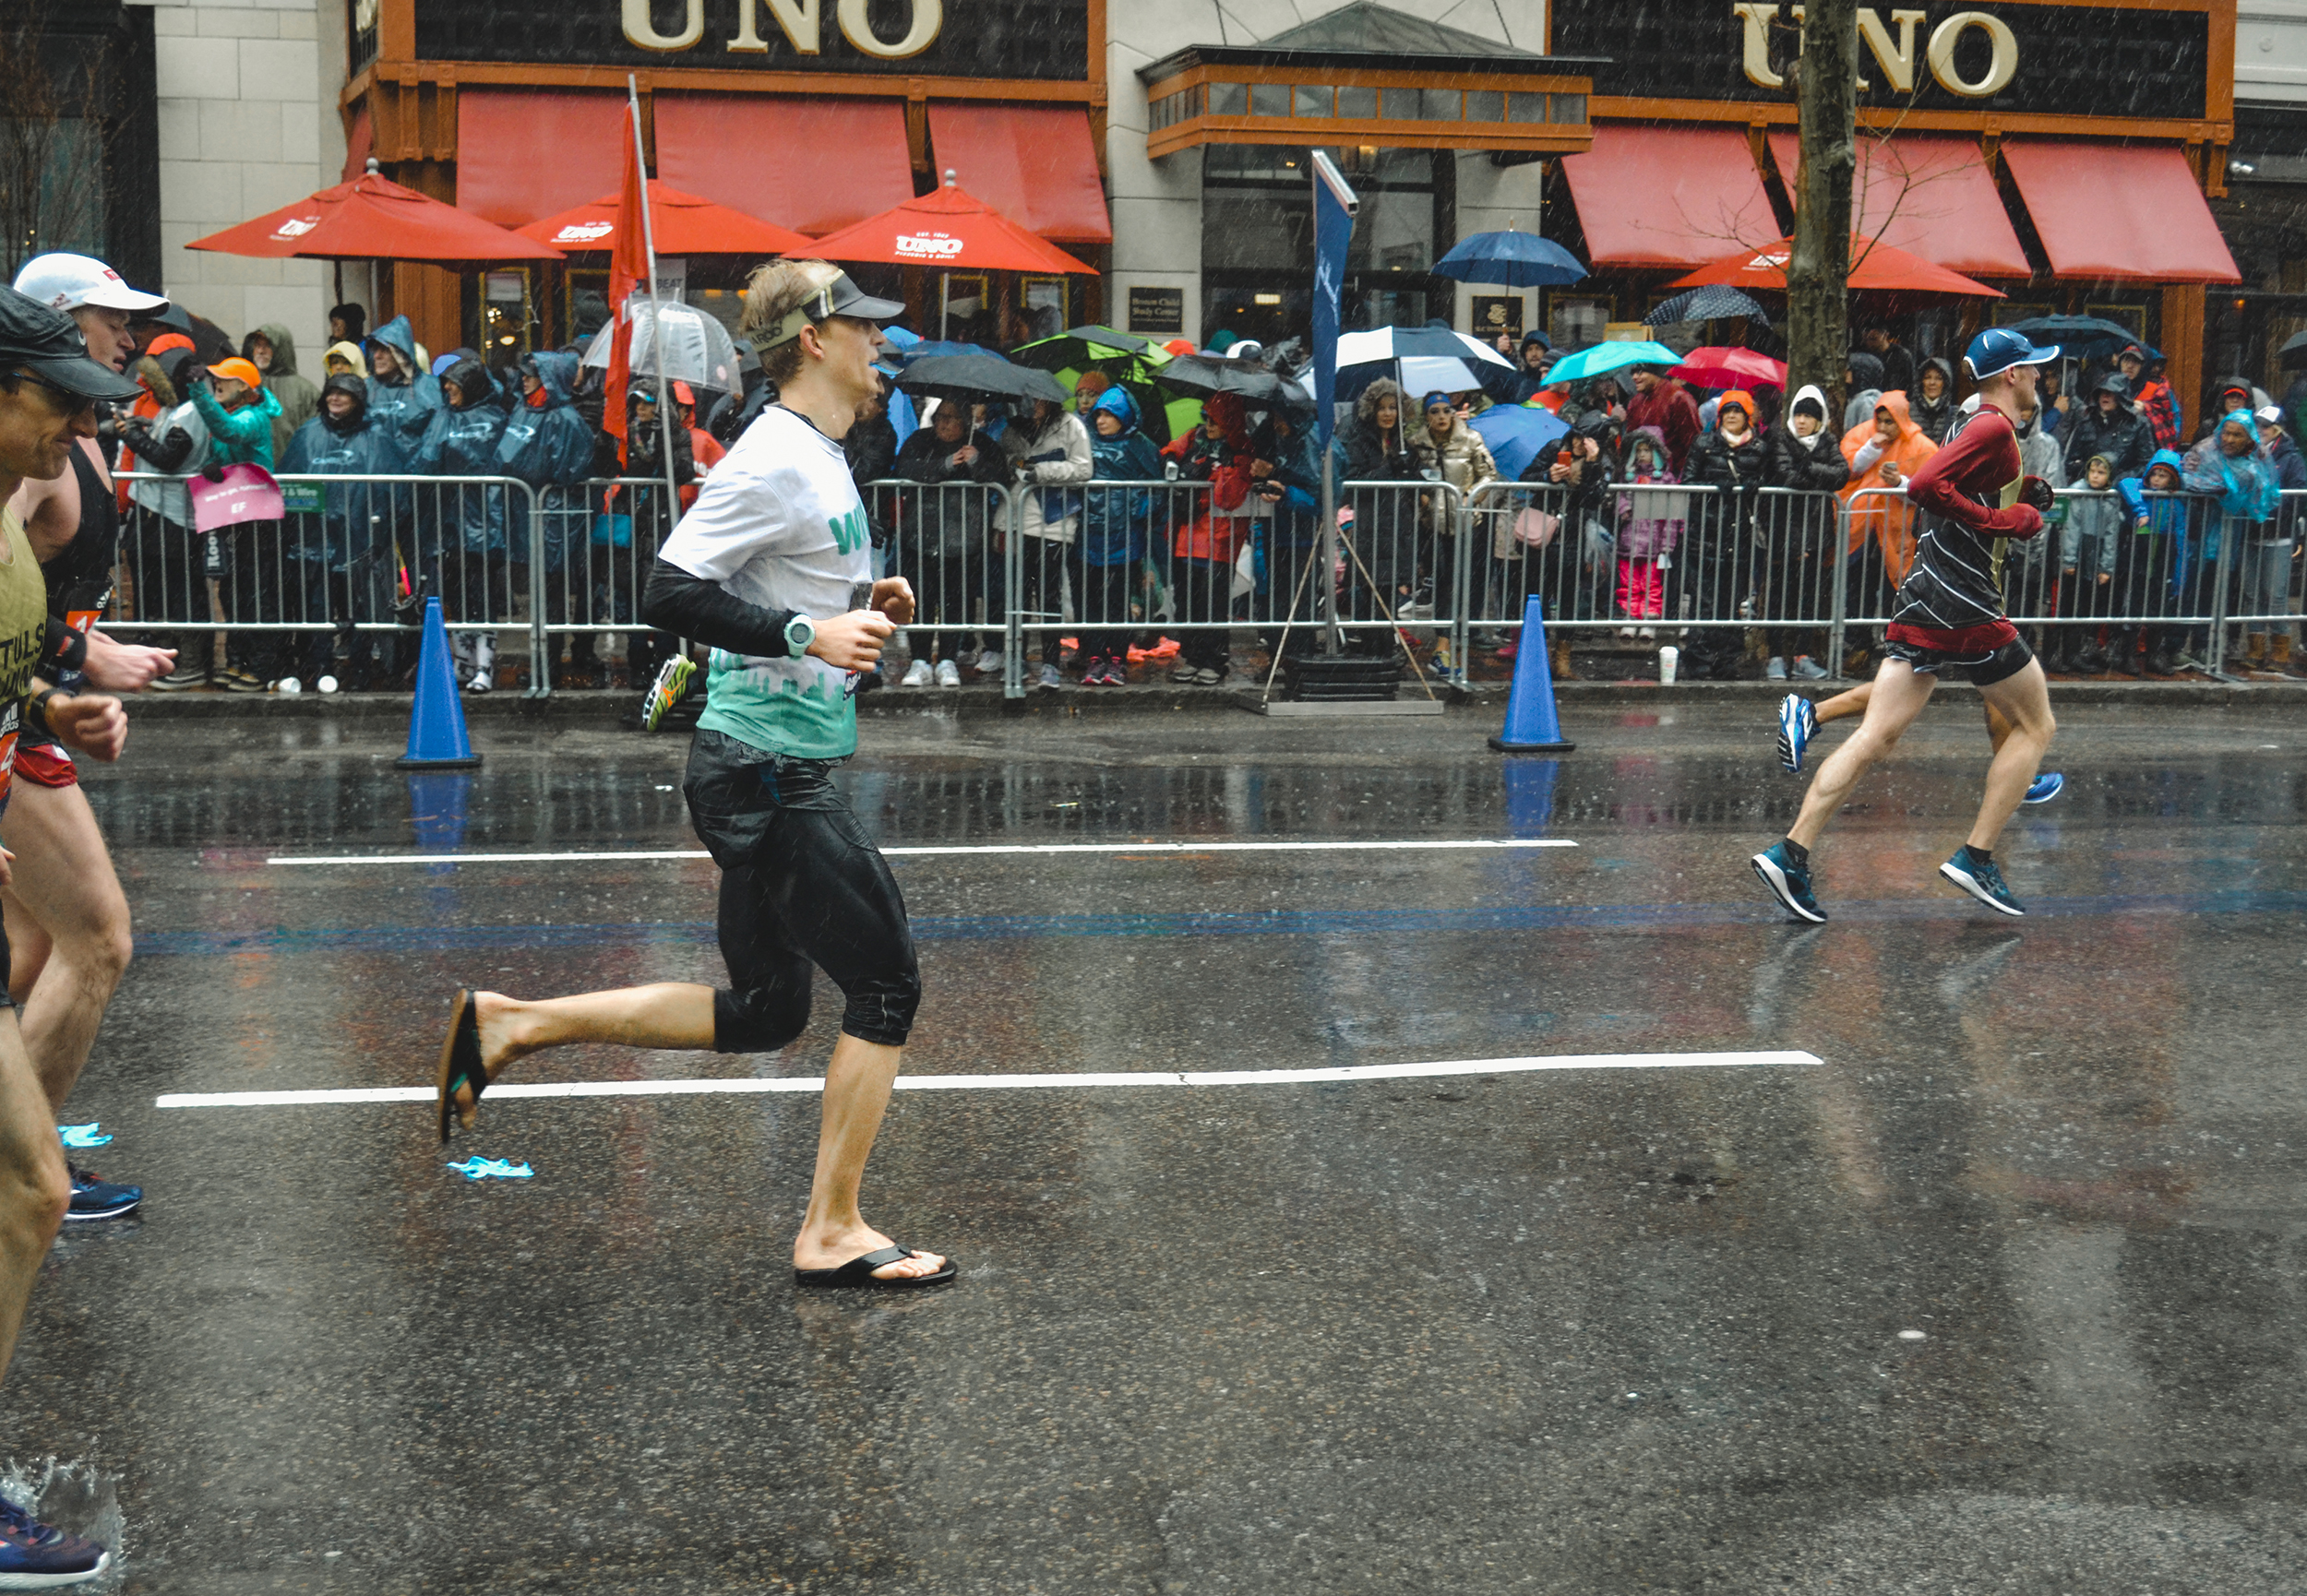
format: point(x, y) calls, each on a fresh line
point(1653, 518)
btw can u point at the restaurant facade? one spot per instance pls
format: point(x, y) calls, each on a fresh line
point(2076, 156)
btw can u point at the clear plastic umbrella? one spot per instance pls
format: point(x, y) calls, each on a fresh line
point(698, 348)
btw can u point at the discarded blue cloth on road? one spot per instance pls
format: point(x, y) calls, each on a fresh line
point(82, 1134)
point(482, 1168)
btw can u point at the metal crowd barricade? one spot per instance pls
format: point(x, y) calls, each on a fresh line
point(595, 542)
point(2263, 599)
point(1178, 573)
point(1401, 564)
point(352, 558)
point(946, 539)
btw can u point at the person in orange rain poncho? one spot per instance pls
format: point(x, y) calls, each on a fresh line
point(1883, 454)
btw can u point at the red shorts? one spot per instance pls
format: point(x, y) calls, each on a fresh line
point(44, 764)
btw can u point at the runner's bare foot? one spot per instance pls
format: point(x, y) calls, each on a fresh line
point(830, 1249)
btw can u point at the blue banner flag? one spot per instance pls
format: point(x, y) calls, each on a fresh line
point(1334, 204)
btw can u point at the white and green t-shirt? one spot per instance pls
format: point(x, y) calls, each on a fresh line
point(779, 524)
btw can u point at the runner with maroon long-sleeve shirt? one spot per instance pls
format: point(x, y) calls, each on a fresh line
point(1976, 496)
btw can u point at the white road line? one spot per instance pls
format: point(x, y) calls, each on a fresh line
point(997, 1082)
point(1341, 845)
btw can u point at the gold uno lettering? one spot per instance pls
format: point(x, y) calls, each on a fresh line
point(798, 18)
point(641, 26)
point(1895, 57)
point(2001, 66)
point(1898, 62)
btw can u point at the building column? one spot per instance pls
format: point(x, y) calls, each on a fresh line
point(2184, 308)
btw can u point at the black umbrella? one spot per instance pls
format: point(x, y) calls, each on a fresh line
point(1257, 384)
point(1713, 302)
point(1078, 348)
point(977, 377)
point(2294, 353)
point(2080, 336)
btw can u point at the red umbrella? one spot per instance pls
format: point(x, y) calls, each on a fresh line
point(949, 230)
point(685, 225)
point(372, 218)
point(1875, 266)
point(1723, 367)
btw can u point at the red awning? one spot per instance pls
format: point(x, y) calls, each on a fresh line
point(1668, 197)
point(1932, 198)
point(1032, 164)
point(2127, 212)
point(359, 143)
point(813, 165)
point(526, 153)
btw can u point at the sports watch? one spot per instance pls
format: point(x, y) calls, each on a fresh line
point(800, 632)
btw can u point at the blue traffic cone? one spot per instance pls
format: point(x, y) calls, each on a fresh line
point(437, 739)
point(1532, 726)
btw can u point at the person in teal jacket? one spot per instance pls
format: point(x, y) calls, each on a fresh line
point(239, 414)
point(2227, 466)
point(238, 410)
point(2162, 515)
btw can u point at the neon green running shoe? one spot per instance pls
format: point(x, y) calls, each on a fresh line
point(671, 686)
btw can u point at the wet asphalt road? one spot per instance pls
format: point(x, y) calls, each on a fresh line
point(2004, 1295)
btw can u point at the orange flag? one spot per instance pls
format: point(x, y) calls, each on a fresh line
point(629, 269)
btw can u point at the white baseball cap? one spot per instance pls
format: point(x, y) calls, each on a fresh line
point(68, 281)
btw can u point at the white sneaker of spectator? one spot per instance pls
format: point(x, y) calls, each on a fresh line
point(917, 675)
point(949, 674)
point(989, 662)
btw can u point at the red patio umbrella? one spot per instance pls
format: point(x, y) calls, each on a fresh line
point(949, 230)
point(1876, 267)
point(1718, 366)
point(685, 225)
point(372, 217)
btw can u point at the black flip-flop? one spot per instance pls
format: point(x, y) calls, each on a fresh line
point(859, 1272)
point(460, 1059)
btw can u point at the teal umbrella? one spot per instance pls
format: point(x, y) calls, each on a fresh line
point(1601, 358)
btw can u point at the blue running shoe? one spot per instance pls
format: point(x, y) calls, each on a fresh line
point(1981, 879)
point(1798, 723)
point(2046, 787)
point(94, 1198)
point(1789, 883)
point(37, 1557)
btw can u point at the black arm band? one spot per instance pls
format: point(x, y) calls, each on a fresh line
point(36, 710)
point(64, 646)
point(689, 607)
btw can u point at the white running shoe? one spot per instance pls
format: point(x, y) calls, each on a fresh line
point(917, 675)
point(949, 674)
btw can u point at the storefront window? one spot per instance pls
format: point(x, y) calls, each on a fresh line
point(1485, 105)
point(1359, 104)
point(1257, 238)
point(1312, 102)
point(1567, 107)
point(1269, 100)
point(1229, 99)
point(1526, 107)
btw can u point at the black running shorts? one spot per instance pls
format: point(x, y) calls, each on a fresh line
point(1980, 670)
point(801, 884)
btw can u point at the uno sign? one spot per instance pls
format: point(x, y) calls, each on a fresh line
point(2149, 59)
point(802, 22)
point(1896, 56)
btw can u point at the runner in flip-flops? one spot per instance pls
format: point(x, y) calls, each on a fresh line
point(772, 569)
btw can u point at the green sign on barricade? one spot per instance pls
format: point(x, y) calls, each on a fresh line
point(304, 498)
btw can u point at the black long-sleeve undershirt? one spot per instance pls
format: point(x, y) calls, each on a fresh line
point(689, 607)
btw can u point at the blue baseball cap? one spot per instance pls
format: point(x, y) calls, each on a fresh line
point(1999, 349)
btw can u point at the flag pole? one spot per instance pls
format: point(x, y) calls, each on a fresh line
point(665, 417)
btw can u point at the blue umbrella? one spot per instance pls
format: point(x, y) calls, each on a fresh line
point(1512, 259)
point(1517, 435)
point(1600, 358)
